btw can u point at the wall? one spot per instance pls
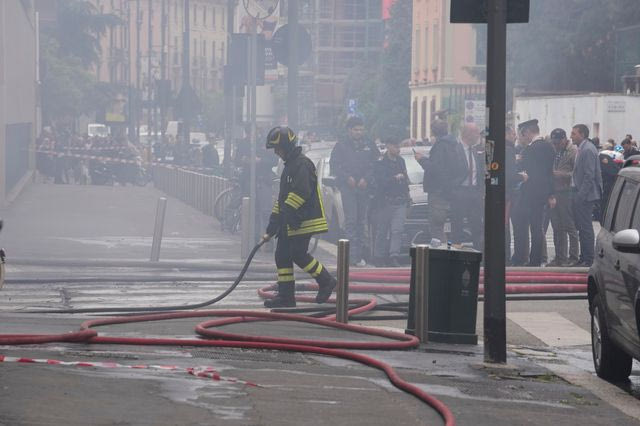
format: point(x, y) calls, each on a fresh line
point(615, 115)
point(17, 95)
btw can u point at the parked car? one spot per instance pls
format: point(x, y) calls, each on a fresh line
point(416, 226)
point(614, 280)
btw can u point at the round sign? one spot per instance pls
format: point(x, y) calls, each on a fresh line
point(281, 44)
point(260, 9)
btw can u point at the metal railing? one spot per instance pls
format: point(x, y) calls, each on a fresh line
point(195, 189)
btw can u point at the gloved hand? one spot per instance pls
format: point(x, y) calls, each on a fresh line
point(266, 237)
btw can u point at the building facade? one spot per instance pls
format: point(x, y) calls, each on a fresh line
point(343, 33)
point(445, 59)
point(18, 87)
point(145, 52)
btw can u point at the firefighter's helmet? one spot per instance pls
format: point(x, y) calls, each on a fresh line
point(281, 136)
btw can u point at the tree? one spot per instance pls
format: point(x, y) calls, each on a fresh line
point(68, 49)
point(568, 45)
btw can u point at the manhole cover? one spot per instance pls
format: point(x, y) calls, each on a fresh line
point(251, 355)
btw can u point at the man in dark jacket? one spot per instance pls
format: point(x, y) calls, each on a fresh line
point(536, 190)
point(628, 148)
point(297, 214)
point(442, 173)
point(390, 205)
point(352, 161)
point(512, 181)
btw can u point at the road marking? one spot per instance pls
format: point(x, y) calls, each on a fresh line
point(551, 327)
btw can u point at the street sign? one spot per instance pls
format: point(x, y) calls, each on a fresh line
point(281, 44)
point(352, 106)
point(476, 11)
point(238, 59)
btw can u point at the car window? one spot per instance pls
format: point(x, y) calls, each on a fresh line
point(635, 224)
point(624, 210)
point(613, 201)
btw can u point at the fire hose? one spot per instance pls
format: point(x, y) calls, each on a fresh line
point(87, 334)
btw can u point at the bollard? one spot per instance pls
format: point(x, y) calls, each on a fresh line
point(245, 248)
point(422, 293)
point(158, 228)
point(342, 290)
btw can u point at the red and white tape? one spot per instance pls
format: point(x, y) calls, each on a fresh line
point(106, 159)
point(202, 372)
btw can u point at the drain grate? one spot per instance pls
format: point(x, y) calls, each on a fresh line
point(251, 355)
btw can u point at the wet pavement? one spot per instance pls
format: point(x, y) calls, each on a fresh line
point(546, 381)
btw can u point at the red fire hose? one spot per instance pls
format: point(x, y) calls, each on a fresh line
point(330, 348)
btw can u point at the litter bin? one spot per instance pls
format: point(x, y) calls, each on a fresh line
point(452, 277)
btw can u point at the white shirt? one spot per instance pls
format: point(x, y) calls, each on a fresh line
point(472, 166)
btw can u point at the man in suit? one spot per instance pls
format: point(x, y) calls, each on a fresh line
point(587, 186)
point(468, 196)
point(536, 191)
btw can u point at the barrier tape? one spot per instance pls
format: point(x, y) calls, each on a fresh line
point(201, 372)
point(124, 161)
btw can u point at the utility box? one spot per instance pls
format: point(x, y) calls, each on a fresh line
point(451, 288)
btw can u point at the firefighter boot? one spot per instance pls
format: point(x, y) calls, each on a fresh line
point(285, 298)
point(326, 284)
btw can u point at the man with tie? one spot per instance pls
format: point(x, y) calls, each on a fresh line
point(536, 191)
point(467, 201)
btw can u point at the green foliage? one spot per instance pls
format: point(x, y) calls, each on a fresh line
point(67, 50)
point(381, 84)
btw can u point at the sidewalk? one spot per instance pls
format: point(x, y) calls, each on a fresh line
point(116, 223)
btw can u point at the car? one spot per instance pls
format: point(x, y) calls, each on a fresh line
point(416, 229)
point(614, 281)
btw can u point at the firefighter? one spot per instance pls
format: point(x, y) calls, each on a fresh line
point(297, 214)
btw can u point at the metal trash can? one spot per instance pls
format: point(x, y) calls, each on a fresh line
point(452, 278)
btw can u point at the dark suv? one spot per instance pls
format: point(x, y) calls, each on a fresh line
point(614, 281)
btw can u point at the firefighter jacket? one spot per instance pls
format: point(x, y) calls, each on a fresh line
point(298, 209)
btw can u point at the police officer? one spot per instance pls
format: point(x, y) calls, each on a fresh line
point(297, 214)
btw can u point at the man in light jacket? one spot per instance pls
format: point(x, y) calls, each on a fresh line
point(587, 183)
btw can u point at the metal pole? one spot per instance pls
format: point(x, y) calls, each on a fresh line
point(138, 70)
point(158, 228)
point(342, 290)
point(163, 70)
point(495, 335)
point(149, 85)
point(186, 72)
point(245, 247)
point(422, 293)
point(230, 98)
point(252, 84)
point(292, 70)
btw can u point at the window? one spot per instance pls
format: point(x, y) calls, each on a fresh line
point(613, 200)
point(635, 224)
point(214, 18)
point(213, 53)
point(416, 51)
point(624, 210)
point(195, 15)
point(425, 58)
point(204, 49)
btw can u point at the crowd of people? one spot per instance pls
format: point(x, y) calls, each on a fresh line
point(561, 180)
point(67, 158)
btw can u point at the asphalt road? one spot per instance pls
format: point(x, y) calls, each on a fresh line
point(548, 378)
